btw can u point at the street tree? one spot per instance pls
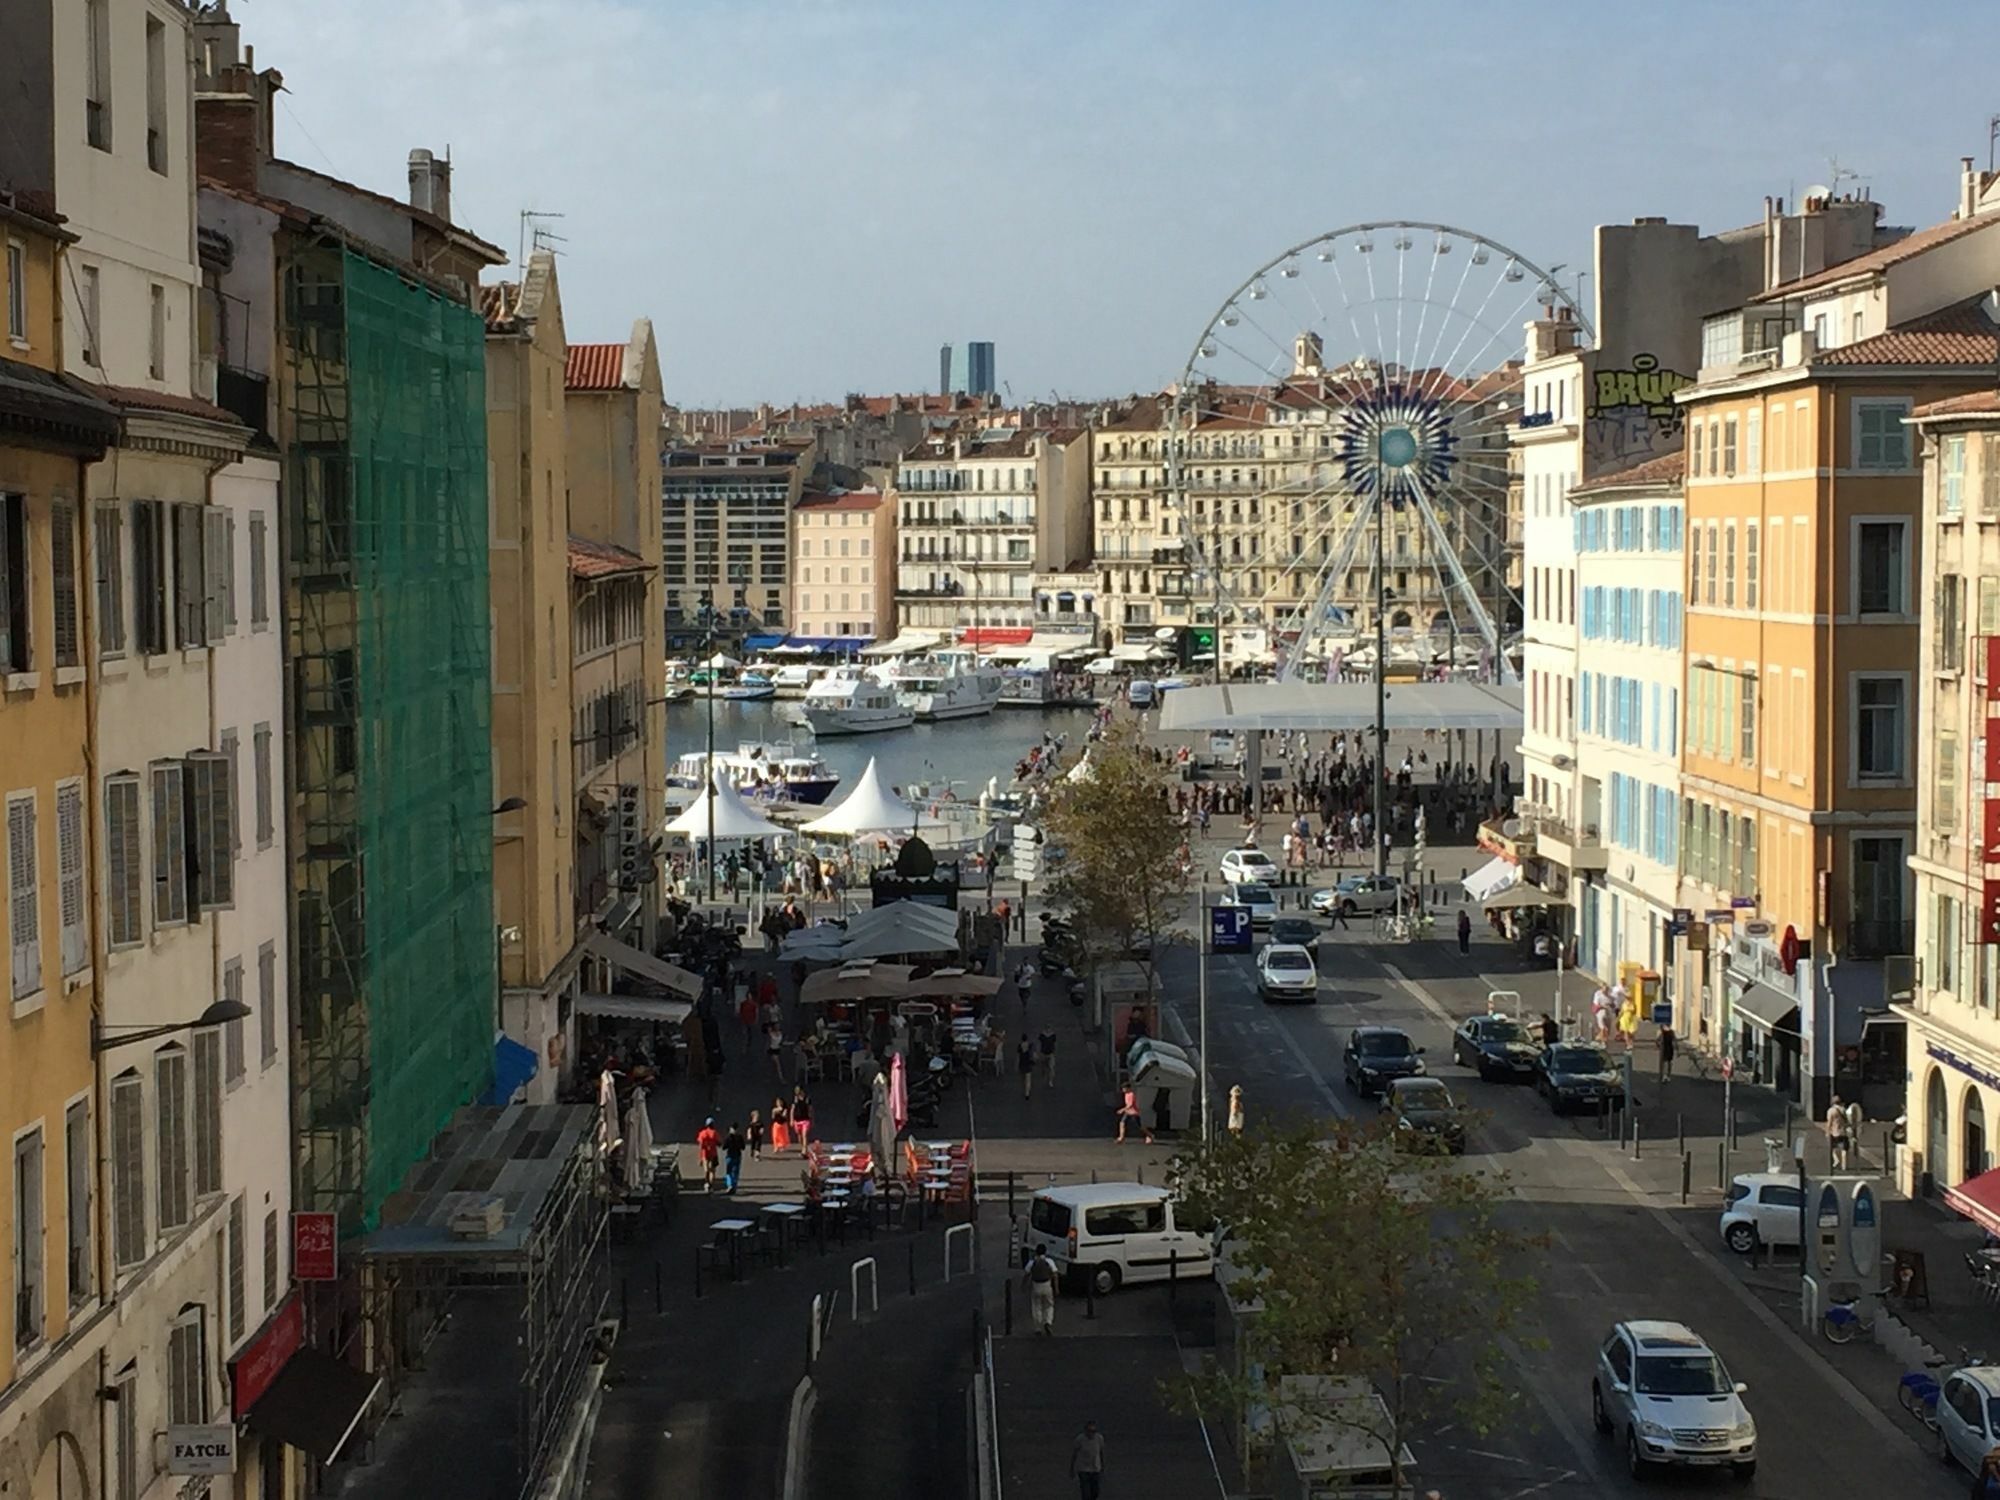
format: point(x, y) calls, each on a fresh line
point(1372, 1267)
point(1122, 875)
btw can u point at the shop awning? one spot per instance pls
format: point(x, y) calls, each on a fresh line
point(905, 643)
point(513, 1065)
point(642, 964)
point(762, 642)
point(1519, 897)
point(995, 635)
point(1771, 1009)
point(1978, 1198)
point(634, 1008)
point(1491, 878)
point(314, 1405)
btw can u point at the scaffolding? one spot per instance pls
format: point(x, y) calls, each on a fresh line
point(390, 791)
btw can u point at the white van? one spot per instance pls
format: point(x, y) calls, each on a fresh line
point(1115, 1232)
point(1139, 693)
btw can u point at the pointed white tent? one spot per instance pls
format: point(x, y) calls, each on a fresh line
point(734, 818)
point(1083, 770)
point(869, 807)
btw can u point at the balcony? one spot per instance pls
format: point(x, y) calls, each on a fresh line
point(1880, 937)
point(1510, 838)
point(1577, 849)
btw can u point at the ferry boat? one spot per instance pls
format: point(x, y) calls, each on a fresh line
point(948, 685)
point(773, 773)
point(847, 700)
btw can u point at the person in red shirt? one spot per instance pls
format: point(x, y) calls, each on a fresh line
point(746, 1012)
point(709, 1143)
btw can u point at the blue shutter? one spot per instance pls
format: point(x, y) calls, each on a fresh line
point(1586, 700)
point(1673, 720)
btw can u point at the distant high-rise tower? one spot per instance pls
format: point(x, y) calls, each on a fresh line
point(967, 370)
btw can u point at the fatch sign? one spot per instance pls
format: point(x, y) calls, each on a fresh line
point(202, 1450)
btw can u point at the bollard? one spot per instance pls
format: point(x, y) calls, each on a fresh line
point(1093, 1177)
point(1681, 1132)
point(1142, 1174)
point(1687, 1176)
point(1173, 1274)
point(913, 1268)
point(1635, 1136)
point(1007, 1307)
point(1722, 1166)
point(659, 1292)
point(1010, 1195)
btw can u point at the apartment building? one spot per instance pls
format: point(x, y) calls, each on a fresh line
point(1139, 541)
point(843, 570)
point(725, 535)
point(50, 1103)
point(975, 518)
point(1800, 759)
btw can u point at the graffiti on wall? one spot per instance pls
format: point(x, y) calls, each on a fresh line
point(1631, 415)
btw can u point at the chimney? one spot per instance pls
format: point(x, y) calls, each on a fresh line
point(1968, 188)
point(430, 183)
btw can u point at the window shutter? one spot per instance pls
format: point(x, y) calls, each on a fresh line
point(191, 597)
point(210, 808)
point(170, 1080)
point(270, 1260)
point(109, 559)
point(62, 568)
point(236, 1253)
point(261, 768)
point(260, 589)
point(23, 904)
point(214, 572)
point(228, 571)
point(267, 1004)
point(233, 1031)
point(170, 846)
point(124, 890)
point(207, 1113)
point(128, 1171)
point(70, 857)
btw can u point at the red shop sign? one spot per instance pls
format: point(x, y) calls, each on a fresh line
point(1991, 821)
point(1989, 913)
point(315, 1256)
point(1991, 645)
point(264, 1356)
point(1992, 768)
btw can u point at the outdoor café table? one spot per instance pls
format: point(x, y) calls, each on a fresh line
point(733, 1230)
point(833, 1210)
point(788, 1219)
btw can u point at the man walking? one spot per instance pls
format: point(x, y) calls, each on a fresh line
point(1041, 1280)
point(1086, 1461)
point(1667, 1045)
point(1046, 1042)
point(1464, 932)
point(1836, 1133)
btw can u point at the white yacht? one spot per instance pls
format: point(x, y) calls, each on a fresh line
point(848, 700)
point(949, 685)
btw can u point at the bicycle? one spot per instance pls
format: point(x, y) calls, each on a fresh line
point(1918, 1390)
point(1843, 1320)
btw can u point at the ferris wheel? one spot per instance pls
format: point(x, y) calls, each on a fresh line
point(1338, 448)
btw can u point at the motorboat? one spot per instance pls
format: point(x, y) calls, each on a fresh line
point(774, 773)
point(948, 685)
point(749, 687)
point(849, 700)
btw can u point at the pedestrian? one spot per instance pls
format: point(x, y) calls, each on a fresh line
point(774, 1048)
point(1024, 1057)
point(1046, 1045)
point(1667, 1045)
point(708, 1145)
point(746, 1012)
point(755, 1135)
point(781, 1128)
point(1086, 1462)
point(1236, 1109)
point(1600, 1015)
point(1986, 1483)
point(1551, 1033)
point(1024, 981)
point(1041, 1280)
point(1464, 932)
point(1836, 1133)
point(1128, 1116)
point(802, 1116)
point(732, 1157)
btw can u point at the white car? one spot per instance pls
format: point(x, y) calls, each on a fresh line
point(1101, 666)
point(1248, 864)
point(1285, 972)
point(1968, 1412)
point(1663, 1393)
point(1762, 1209)
point(1255, 895)
point(1139, 693)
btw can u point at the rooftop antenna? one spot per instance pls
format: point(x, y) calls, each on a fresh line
point(1837, 174)
point(536, 235)
point(1992, 135)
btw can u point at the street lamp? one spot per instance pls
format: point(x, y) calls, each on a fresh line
point(219, 1013)
point(512, 804)
point(705, 617)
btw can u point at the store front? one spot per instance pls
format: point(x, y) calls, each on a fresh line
point(1764, 1038)
point(292, 1405)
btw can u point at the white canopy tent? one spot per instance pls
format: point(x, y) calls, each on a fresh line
point(734, 818)
point(1491, 878)
point(722, 662)
point(868, 807)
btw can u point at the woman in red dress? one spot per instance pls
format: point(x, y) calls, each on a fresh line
point(781, 1126)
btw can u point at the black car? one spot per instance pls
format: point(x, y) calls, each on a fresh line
point(1496, 1047)
point(1425, 1116)
point(1573, 1074)
point(1375, 1055)
point(1300, 930)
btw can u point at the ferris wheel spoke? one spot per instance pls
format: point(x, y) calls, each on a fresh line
point(1424, 304)
point(1340, 280)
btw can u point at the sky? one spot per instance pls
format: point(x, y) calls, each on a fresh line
point(808, 197)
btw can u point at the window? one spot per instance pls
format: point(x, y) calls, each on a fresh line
point(108, 559)
point(170, 1080)
point(92, 319)
point(29, 1271)
point(187, 1369)
point(1944, 804)
point(123, 892)
point(1880, 723)
point(236, 1277)
point(17, 292)
point(219, 575)
point(78, 1152)
point(149, 576)
point(1714, 447)
point(1729, 445)
point(267, 1004)
point(233, 1031)
point(1753, 440)
point(16, 646)
point(1753, 564)
point(97, 81)
point(1879, 585)
point(260, 584)
point(170, 855)
point(126, 1405)
point(1951, 475)
point(191, 599)
point(1948, 634)
point(1746, 717)
point(156, 334)
point(1694, 572)
point(156, 97)
point(1713, 562)
point(1729, 566)
point(62, 584)
point(210, 793)
point(24, 922)
point(71, 887)
point(128, 1170)
point(271, 1262)
point(1989, 474)
point(1880, 439)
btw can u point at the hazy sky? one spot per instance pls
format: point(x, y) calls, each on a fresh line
point(809, 196)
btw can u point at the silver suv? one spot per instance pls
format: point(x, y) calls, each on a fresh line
point(1666, 1395)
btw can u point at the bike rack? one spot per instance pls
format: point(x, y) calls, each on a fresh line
point(950, 1235)
point(1494, 997)
point(854, 1288)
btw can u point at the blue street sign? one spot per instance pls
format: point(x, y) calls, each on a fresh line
point(1229, 929)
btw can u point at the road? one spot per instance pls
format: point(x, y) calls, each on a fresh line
point(1621, 1247)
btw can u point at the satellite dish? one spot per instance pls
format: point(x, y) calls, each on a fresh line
point(1817, 190)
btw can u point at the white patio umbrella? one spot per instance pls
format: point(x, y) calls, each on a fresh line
point(638, 1140)
point(882, 1126)
point(607, 1113)
point(734, 818)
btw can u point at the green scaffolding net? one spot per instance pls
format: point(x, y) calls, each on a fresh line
point(387, 620)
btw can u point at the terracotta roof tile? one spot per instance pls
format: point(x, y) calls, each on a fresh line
point(595, 367)
point(1958, 335)
point(594, 559)
point(851, 500)
point(493, 252)
point(499, 303)
point(1882, 258)
point(138, 398)
point(1668, 468)
point(1971, 404)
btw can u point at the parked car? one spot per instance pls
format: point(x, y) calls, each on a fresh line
point(1424, 1115)
point(1496, 1047)
point(1361, 893)
point(1100, 666)
point(1303, 932)
point(1257, 896)
point(1375, 1055)
point(1572, 1074)
point(1665, 1392)
point(1248, 864)
point(1762, 1209)
point(1968, 1413)
point(1115, 1232)
point(1139, 693)
point(1285, 972)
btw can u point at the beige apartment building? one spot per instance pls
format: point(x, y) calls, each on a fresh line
point(843, 570)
